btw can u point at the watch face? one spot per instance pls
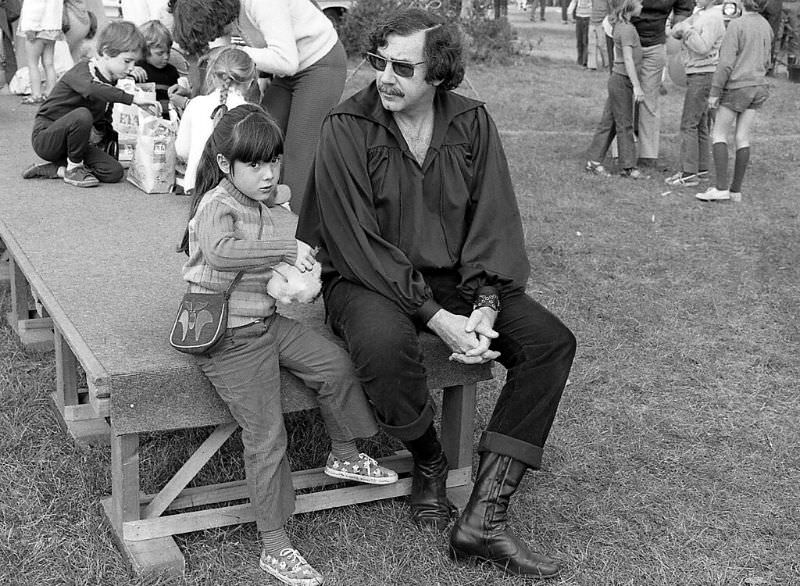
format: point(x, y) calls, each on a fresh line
point(730, 9)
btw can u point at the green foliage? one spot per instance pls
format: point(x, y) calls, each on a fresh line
point(487, 39)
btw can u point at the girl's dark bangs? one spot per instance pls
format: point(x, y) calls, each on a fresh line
point(256, 140)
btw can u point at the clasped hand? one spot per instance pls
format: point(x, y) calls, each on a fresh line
point(468, 337)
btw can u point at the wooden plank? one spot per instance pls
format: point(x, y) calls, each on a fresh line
point(5, 267)
point(19, 294)
point(66, 373)
point(124, 479)
point(189, 470)
point(145, 529)
point(458, 411)
point(156, 557)
point(100, 397)
point(237, 490)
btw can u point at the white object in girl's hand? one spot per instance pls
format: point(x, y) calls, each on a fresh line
point(288, 284)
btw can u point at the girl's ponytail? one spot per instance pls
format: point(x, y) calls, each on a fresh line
point(222, 108)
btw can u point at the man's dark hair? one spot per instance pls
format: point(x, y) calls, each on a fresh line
point(443, 52)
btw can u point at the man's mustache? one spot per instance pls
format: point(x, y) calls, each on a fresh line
point(391, 91)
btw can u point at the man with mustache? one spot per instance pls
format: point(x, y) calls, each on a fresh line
point(413, 209)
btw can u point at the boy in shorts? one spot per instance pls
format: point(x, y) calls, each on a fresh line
point(738, 90)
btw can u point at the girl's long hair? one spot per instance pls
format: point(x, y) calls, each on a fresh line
point(246, 134)
point(620, 11)
point(229, 66)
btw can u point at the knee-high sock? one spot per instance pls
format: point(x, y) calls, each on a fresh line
point(274, 541)
point(739, 167)
point(720, 152)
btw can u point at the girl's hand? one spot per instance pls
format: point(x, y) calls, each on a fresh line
point(638, 94)
point(139, 74)
point(713, 102)
point(305, 259)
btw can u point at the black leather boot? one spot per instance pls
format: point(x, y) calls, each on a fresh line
point(430, 506)
point(482, 532)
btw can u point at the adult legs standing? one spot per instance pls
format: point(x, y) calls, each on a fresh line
point(582, 38)
point(654, 59)
point(299, 103)
point(694, 124)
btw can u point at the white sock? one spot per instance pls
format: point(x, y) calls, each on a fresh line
point(71, 165)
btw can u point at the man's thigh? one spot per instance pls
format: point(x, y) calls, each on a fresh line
point(374, 328)
point(524, 324)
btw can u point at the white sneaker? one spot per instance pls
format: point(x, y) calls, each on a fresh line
point(714, 194)
point(290, 568)
point(736, 196)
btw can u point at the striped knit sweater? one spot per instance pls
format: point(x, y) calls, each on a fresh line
point(231, 232)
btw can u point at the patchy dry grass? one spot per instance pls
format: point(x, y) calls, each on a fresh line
point(674, 456)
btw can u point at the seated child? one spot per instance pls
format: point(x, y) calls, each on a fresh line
point(156, 68)
point(237, 225)
point(74, 122)
point(229, 76)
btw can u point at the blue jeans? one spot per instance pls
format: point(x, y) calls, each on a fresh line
point(617, 120)
point(244, 369)
point(695, 126)
point(535, 347)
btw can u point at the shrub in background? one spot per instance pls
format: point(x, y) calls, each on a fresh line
point(487, 39)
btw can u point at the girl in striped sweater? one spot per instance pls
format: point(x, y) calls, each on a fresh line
point(237, 224)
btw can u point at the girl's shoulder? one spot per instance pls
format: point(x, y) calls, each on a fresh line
point(217, 195)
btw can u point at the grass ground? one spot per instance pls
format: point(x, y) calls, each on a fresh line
point(674, 455)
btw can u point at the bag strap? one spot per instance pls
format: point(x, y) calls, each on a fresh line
point(233, 284)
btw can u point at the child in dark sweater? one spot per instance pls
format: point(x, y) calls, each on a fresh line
point(74, 123)
point(156, 68)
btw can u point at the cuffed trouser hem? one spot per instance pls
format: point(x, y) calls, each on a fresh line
point(414, 429)
point(508, 446)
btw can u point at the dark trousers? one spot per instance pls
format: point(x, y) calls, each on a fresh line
point(299, 103)
point(536, 348)
point(68, 137)
point(695, 126)
point(582, 37)
point(617, 120)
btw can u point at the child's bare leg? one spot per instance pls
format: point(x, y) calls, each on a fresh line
point(49, 65)
point(34, 49)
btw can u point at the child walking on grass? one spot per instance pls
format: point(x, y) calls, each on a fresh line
point(237, 225)
point(624, 91)
point(738, 90)
point(40, 22)
point(74, 122)
point(231, 74)
point(701, 36)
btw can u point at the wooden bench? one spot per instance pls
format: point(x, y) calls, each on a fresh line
point(94, 271)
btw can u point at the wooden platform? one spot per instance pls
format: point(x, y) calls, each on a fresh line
point(94, 275)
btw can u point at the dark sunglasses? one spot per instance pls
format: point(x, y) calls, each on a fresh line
point(401, 68)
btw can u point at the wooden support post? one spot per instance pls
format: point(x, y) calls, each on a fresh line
point(458, 411)
point(35, 334)
point(160, 556)
point(76, 416)
point(5, 265)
